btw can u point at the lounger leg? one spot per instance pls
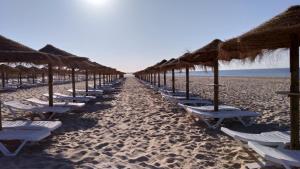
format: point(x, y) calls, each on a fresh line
point(213, 126)
point(12, 111)
point(50, 117)
point(245, 123)
point(6, 152)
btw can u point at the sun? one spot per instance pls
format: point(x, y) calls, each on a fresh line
point(97, 2)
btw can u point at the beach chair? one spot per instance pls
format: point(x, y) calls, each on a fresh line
point(28, 124)
point(93, 92)
point(23, 135)
point(272, 138)
point(206, 114)
point(72, 105)
point(40, 110)
point(63, 97)
point(274, 156)
point(174, 98)
point(183, 103)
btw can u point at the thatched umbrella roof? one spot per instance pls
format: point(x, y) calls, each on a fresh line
point(7, 69)
point(271, 35)
point(22, 69)
point(178, 63)
point(67, 58)
point(11, 51)
point(204, 56)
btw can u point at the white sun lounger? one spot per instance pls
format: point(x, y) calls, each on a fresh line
point(275, 156)
point(40, 110)
point(272, 138)
point(63, 104)
point(28, 124)
point(225, 112)
point(23, 135)
point(94, 92)
point(196, 102)
point(63, 97)
point(178, 98)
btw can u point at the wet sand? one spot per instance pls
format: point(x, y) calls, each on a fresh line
point(136, 128)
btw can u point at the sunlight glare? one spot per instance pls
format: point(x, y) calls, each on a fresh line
point(97, 2)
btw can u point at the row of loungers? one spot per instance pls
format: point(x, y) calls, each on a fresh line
point(269, 145)
point(34, 131)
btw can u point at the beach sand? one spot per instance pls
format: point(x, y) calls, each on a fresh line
point(136, 128)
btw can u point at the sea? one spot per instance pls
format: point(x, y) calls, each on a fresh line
point(276, 72)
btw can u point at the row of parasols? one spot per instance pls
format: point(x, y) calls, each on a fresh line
point(54, 59)
point(280, 32)
point(12, 77)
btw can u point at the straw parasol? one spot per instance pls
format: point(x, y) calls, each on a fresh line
point(70, 60)
point(282, 31)
point(14, 52)
point(156, 68)
point(5, 69)
point(207, 56)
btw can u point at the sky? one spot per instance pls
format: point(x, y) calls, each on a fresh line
point(131, 35)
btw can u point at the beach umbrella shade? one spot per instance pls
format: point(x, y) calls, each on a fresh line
point(5, 69)
point(207, 56)
point(14, 52)
point(70, 60)
point(282, 31)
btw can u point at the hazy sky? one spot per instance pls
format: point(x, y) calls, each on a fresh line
point(133, 34)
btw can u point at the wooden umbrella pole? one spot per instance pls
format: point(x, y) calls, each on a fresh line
point(0, 115)
point(33, 81)
point(20, 76)
point(103, 79)
point(158, 79)
point(187, 81)
point(86, 81)
point(165, 78)
point(99, 79)
point(73, 82)
point(43, 77)
point(50, 84)
point(216, 85)
point(173, 80)
point(294, 88)
point(154, 78)
point(95, 86)
point(3, 79)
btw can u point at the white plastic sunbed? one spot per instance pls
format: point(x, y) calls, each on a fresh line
point(225, 112)
point(178, 98)
point(273, 138)
point(40, 110)
point(94, 92)
point(284, 157)
point(72, 105)
point(28, 124)
point(23, 135)
point(64, 97)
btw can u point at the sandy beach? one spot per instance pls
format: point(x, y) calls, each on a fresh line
point(136, 128)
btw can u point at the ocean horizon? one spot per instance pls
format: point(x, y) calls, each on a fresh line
point(273, 72)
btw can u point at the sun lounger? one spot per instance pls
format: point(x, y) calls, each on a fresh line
point(23, 135)
point(63, 97)
point(275, 156)
point(178, 98)
point(28, 124)
point(40, 110)
point(225, 112)
point(72, 105)
point(196, 103)
point(94, 92)
point(273, 138)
